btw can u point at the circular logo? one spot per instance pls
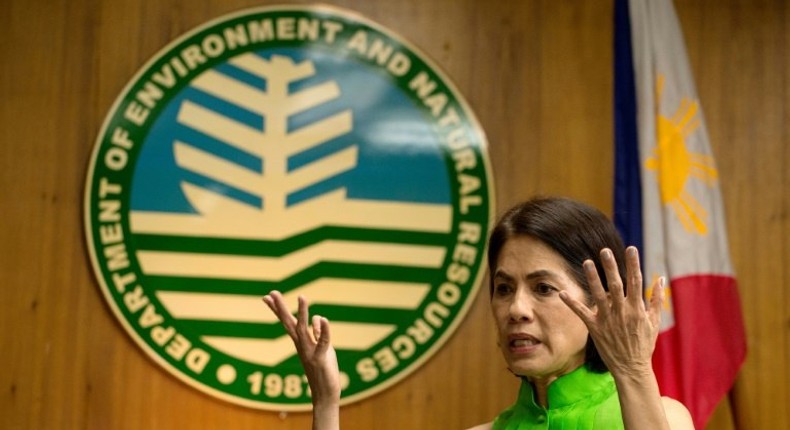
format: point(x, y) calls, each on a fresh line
point(299, 149)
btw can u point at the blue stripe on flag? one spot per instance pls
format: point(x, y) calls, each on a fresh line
point(627, 180)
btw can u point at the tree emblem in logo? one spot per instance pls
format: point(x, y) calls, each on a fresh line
point(301, 149)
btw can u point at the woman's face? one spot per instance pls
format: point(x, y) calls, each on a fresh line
point(540, 337)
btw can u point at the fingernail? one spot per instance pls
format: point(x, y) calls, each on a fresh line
point(631, 251)
point(589, 265)
point(607, 254)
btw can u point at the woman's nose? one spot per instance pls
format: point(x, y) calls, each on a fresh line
point(521, 308)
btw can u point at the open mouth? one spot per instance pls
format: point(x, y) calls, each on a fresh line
point(521, 343)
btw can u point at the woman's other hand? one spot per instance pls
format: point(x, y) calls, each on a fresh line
point(312, 342)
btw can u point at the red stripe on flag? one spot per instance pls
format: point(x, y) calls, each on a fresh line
point(697, 359)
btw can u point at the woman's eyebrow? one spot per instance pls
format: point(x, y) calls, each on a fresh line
point(539, 274)
point(500, 274)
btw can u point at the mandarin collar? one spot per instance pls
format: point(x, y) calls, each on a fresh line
point(580, 384)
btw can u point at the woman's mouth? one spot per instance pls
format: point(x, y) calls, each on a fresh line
point(518, 343)
point(522, 343)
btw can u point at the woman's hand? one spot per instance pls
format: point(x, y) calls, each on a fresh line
point(623, 328)
point(316, 353)
point(625, 331)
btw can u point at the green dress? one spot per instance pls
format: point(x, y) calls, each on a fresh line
point(580, 400)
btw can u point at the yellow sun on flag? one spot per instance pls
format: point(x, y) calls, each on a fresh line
point(675, 164)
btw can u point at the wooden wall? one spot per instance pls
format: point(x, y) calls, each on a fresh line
point(538, 74)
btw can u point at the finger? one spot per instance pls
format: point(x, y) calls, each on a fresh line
point(634, 276)
point(583, 311)
point(277, 304)
point(656, 301)
point(612, 278)
point(316, 327)
point(269, 300)
point(323, 339)
point(596, 288)
point(270, 303)
point(302, 318)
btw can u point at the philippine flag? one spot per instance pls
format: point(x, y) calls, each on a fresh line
point(668, 202)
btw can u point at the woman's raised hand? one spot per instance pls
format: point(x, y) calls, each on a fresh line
point(623, 328)
point(312, 342)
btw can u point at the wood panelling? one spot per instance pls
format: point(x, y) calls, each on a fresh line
point(537, 73)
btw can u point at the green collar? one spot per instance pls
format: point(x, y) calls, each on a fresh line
point(580, 400)
point(580, 384)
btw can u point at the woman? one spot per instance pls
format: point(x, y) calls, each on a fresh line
point(578, 338)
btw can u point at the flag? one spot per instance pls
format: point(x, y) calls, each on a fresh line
point(668, 202)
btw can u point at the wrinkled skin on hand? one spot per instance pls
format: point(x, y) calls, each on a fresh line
point(623, 328)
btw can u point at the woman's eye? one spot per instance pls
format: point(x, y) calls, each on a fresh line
point(502, 289)
point(544, 289)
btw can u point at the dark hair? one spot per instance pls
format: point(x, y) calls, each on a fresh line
point(574, 230)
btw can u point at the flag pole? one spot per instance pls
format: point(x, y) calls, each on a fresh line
point(739, 408)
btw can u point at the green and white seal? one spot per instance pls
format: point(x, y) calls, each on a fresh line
point(298, 148)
